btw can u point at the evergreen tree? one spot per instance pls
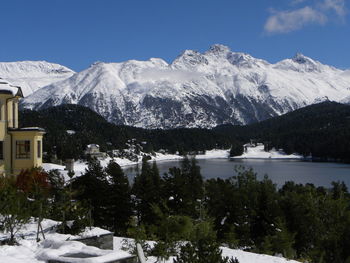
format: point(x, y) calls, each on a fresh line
point(147, 189)
point(120, 205)
point(280, 242)
point(203, 247)
point(183, 188)
point(236, 149)
point(92, 187)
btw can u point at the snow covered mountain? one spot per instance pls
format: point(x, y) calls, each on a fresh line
point(33, 75)
point(197, 89)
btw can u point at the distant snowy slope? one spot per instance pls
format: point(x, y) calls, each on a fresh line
point(197, 89)
point(33, 75)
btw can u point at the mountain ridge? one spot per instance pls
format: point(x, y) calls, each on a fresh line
point(33, 75)
point(197, 89)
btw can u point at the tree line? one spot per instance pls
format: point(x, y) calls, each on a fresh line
point(302, 222)
point(321, 131)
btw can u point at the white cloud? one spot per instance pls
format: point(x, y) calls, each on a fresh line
point(296, 2)
point(287, 21)
point(338, 6)
point(152, 74)
point(319, 13)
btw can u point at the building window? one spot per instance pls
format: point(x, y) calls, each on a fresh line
point(22, 149)
point(1, 150)
point(39, 149)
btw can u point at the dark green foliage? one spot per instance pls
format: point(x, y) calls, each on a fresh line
point(236, 149)
point(107, 194)
point(202, 247)
point(147, 189)
point(64, 206)
point(280, 242)
point(120, 205)
point(183, 189)
point(92, 187)
point(297, 221)
point(90, 128)
point(322, 130)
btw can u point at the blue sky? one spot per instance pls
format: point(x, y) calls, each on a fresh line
point(77, 33)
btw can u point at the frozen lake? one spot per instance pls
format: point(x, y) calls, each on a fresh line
point(279, 171)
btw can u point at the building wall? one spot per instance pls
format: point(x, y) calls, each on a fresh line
point(5, 164)
point(9, 119)
point(12, 113)
point(34, 160)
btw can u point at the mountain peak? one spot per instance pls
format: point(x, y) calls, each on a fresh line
point(189, 58)
point(219, 49)
point(302, 59)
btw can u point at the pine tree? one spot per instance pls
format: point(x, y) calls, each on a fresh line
point(120, 205)
point(236, 150)
point(92, 187)
point(147, 188)
point(280, 242)
point(203, 247)
point(184, 188)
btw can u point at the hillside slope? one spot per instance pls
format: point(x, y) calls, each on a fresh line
point(33, 75)
point(322, 130)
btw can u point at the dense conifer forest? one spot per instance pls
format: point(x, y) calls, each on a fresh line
point(297, 221)
point(321, 130)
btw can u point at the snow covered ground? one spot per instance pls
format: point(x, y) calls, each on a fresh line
point(242, 256)
point(258, 152)
point(80, 166)
point(56, 245)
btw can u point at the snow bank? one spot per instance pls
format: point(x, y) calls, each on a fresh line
point(56, 246)
point(258, 152)
point(61, 247)
point(17, 254)
point(247, 257)
point(242, 256)
point(53, 250)
point(95, 231)
point(213, 154)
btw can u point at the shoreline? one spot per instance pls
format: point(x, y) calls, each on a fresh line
point(253, 153)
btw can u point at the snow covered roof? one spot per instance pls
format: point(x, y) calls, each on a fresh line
point(38, 129)
point(93, 146)
point(7, 88)
point(33, 128)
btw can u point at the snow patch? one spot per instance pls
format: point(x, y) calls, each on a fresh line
point(258, 152)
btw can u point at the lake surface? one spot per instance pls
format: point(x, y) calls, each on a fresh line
point(279, 171)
